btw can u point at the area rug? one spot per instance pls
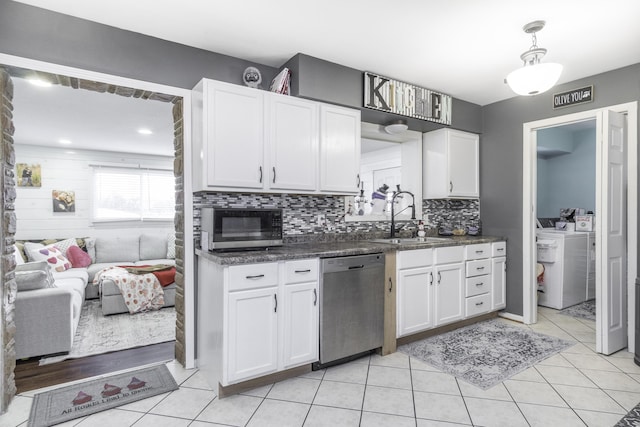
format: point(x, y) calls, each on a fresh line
point(584, 310)
point(97, 334)
point(632, 419)
point(486, 353)
point(86, 398)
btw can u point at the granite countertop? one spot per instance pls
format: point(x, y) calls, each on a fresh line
point(294, 251)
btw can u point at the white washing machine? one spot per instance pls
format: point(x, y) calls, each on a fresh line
point(567, 259)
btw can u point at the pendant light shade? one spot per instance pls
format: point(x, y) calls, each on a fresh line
point(534, 77)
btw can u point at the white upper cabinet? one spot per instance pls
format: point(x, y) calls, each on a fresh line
point(293, 143)
point(247, 139)
point(228, 135)
point(339, 150)
point(450, 164)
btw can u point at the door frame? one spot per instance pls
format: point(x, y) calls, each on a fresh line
point(529, 196)
point(189, 284)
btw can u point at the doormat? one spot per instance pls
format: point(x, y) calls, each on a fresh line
point(584, 310)
point(99, 334)
point(632, 419)
point(485, 354)
point(86, 398)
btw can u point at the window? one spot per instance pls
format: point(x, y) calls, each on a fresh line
point(127, 194)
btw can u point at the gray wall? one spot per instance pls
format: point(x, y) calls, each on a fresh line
point(43, 35)
point(501, 158)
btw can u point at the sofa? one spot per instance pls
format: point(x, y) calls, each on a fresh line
point(49, 302)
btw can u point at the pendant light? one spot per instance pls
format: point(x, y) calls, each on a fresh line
point(534, 77)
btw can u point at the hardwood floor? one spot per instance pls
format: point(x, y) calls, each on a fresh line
point(30, 376)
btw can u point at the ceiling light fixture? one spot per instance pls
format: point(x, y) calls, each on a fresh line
point(534, 77)
point(64, 141)
point(145, 131)
point(396, 127)
point(40, 82)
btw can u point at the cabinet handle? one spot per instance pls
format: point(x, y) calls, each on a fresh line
point(479, 252)
point(303, 271)
point(480, 284)
point(450, 186)
point(274, 174)
point(358, 181)
point(479, 268)
point(355, 267)
point(275, 298)
point(431, 281)
point(479, 303)
point(390, 284)
point(439, 277)
point(315, 297)
point(500, 249)
point(257, 276)
point(260, 169)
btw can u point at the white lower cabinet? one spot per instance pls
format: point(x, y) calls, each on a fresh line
point(269, 319)
point(447, 284)
point(252, 333)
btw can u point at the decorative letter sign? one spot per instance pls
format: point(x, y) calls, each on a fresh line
point(573, 97)
point(385, 94)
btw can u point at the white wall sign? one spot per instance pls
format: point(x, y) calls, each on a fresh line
point(393, 96)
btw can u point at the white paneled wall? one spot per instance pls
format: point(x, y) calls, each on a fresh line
point(63, 171)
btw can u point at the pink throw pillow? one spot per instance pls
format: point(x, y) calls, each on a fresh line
point(78, 257)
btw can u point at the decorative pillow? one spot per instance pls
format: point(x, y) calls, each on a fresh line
point(17, 255)
point(29, 282)
point(171, 246)
point(53, 256)
point(90, 245)
point(78, 257)
point(31, 249)
point(63, 245)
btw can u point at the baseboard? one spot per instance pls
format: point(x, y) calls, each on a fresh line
point(511, 316)
point(225, 391)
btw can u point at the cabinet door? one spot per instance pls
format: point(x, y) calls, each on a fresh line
point(300, 324)
point(339, 149)
point(252, 333)
point(293, 143)
point(234, 136)
point(463, 157)
point(499, 283)
point(414, 303)
point(449, 294)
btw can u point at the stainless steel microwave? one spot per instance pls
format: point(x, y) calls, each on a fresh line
point(238, 228)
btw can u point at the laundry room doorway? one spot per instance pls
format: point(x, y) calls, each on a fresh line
point(616, 190)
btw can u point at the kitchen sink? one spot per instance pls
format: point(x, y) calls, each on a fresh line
point(406, 240)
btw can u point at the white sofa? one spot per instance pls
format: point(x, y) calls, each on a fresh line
point(47, 315)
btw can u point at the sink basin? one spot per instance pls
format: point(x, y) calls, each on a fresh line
point(399, 241)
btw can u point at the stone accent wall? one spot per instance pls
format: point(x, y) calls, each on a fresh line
point(7, 263)
point(178, 171)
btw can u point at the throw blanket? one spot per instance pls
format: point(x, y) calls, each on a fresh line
point(165, 273)
point(141, 292)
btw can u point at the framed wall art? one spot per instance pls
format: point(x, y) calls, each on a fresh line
point(28, 175)
point(63, 201)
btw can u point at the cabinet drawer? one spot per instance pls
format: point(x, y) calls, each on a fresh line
point(252, 276)
point(478, 267)
point(449, 254)
point(479, 251)
point(478, 285)
point(478, 305)
point(499, 249)
point(304, 270)
point(415, 258)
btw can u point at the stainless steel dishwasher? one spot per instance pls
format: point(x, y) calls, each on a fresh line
point(351, 307)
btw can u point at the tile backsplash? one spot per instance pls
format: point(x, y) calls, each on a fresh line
point(301, 212)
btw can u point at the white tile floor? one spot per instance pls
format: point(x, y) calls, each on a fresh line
point(574, 388)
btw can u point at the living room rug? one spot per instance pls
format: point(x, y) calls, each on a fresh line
point(88, 397)
point(584, 310)
point(97, 334)
point(486, 353)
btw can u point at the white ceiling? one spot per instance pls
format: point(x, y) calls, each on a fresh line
point(90, 120)
point(464, 48)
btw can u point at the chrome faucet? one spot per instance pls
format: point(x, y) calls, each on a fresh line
point(393, 214)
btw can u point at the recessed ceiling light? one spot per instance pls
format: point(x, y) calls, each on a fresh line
point(40, 82)
point(145, 131)
point(70, 152)
point(64, 141)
